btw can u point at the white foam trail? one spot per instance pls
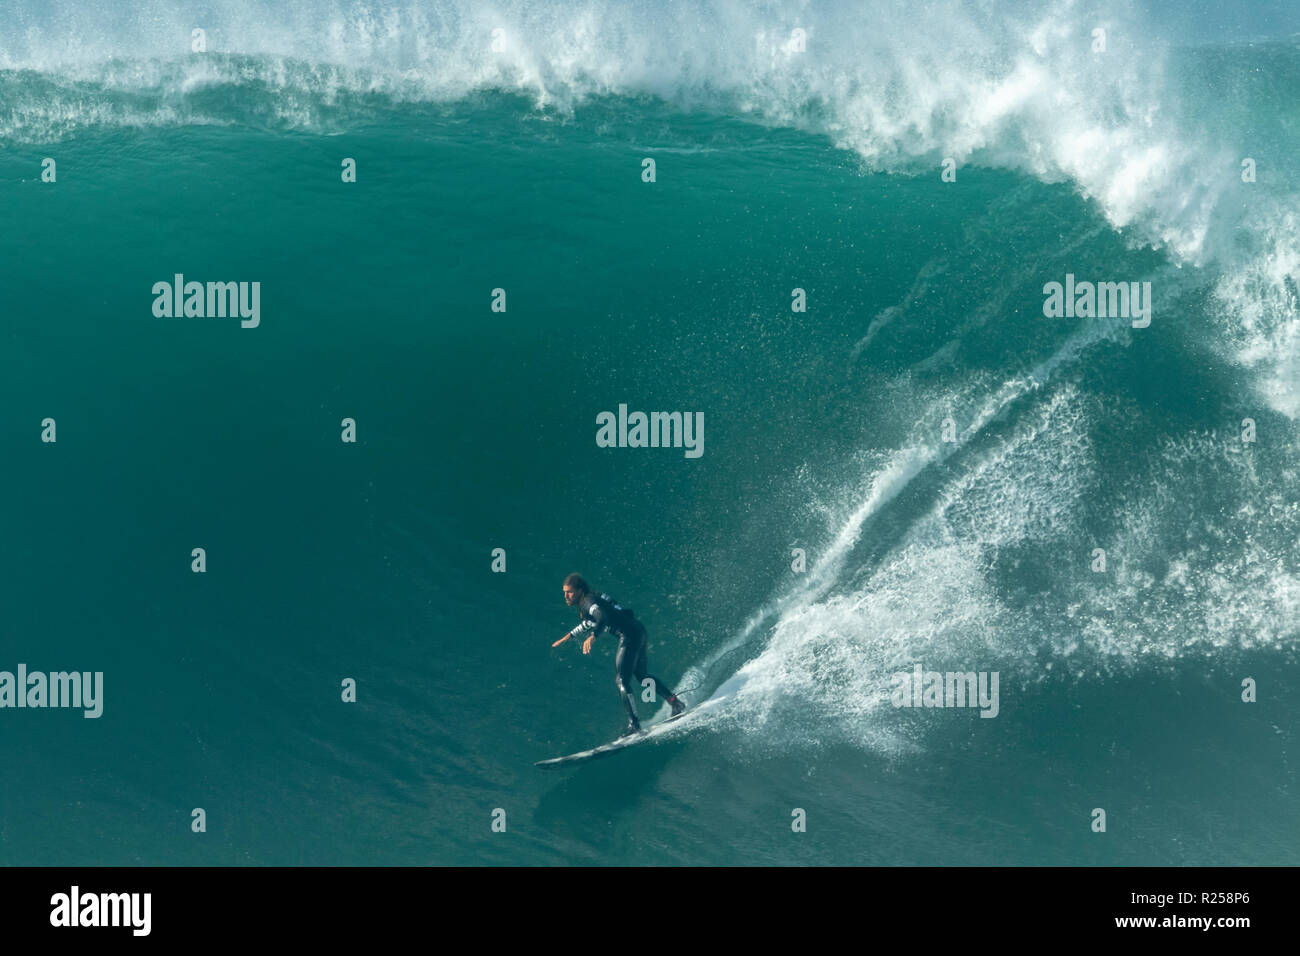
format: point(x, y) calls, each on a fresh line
point(886, 485)
point(1179, 586)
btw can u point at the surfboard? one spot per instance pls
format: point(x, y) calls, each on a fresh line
point(604, 750)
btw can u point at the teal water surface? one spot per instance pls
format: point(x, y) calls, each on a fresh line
point(825, 431)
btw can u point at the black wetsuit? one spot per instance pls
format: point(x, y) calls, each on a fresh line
point(600, 613)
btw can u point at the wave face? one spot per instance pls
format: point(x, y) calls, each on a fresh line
point(950, 459)
point(1143, 130)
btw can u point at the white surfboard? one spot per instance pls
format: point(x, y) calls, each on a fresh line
point(661, 729)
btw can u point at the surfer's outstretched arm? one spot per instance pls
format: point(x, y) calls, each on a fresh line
point(591, 625)
point(586, 627)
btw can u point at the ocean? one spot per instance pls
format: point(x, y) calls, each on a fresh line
point(838, 261)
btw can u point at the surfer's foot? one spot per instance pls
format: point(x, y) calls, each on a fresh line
point(631, 731)
point(678, 707)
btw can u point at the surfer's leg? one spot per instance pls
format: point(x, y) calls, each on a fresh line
point(624, 661)
point(662, 690)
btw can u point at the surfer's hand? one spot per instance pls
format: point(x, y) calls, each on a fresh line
point(586, 645)
point(562, 640)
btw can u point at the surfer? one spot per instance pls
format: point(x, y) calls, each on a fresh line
point(600, 613)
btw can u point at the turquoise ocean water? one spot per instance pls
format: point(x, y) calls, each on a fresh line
point(777, 168)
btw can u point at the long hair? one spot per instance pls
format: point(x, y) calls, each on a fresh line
point(578, 583)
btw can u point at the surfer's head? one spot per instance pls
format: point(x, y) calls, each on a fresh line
point(574, 588)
